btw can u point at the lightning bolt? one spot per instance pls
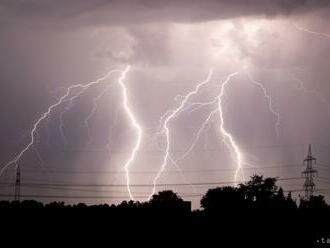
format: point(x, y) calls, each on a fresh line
point(154, 140)
point(320, 97)
point(76, 90)
point(68, 108)
point(270, 103)
point(206, 137)
point(135, 125)
point(306, 30)
point(165, 130)
point(198, 134)
point(45, 115)
point(301, 83)
point(92, 112)
point(228, 137)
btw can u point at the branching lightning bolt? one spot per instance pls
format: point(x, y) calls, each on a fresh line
point(270, 104)
point(198, 134)
point(166, 131)
point(301, 83)
point(134, 124)
point(154, 140)
point(92, 112)
point(76, 90)
point(227, 137)
point(45, 115)
point(67, 108)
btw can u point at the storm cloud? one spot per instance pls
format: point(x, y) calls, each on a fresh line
point(46, 45)
point(116, 12)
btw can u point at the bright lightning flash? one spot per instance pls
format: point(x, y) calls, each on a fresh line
point(166, 130)
point(134, 124)
point(228, 138)
point(164, 127)
point(45, 115)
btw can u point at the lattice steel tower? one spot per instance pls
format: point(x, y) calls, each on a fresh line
point(309, 173)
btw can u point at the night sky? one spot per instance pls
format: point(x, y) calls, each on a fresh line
point(170, 46)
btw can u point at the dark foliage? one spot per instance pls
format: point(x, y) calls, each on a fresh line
point(258, 193)
point(248, 213)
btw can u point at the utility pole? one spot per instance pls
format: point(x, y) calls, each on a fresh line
point(309, 173)
point(17, 184)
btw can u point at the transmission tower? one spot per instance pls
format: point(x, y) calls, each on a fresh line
point(309, 173)
point(17, 184)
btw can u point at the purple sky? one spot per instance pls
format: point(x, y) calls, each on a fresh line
point(46, 46)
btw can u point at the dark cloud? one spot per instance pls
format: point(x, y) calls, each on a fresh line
point(139, 11)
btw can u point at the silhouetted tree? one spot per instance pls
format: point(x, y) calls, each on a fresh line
point(55, 205)
point(4, 204)
point(167, 200)
point(291, 204)
point(258, 193)
point(281, 201)
point(101, 206)
point(166, 196)
point(129, 205)
point(223, 198)
point(314, 202)
point(31, 204)
point(81, 205)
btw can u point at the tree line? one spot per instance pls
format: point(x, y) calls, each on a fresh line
point(258, 193)
point(257, 211)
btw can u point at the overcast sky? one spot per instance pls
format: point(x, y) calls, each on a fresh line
point(46, 46)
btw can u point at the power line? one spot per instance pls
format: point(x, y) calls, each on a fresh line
point(43, 171)
point(174, 150)
point(94, 190)
point(139, 185)
point(34, 196)
point(154, 172)
point(84, 197)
